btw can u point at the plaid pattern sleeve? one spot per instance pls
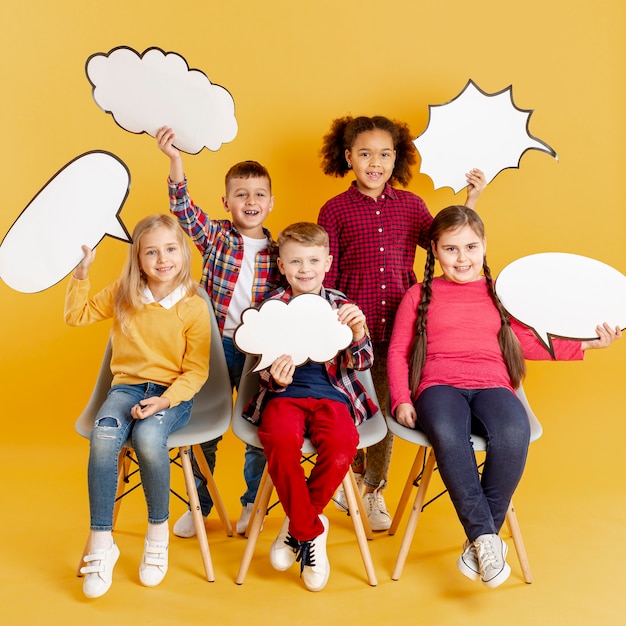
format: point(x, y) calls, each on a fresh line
point(373, 244)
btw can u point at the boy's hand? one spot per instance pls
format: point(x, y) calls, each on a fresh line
point(165, 136)
point(352, 316)
point(606, 336)
point(282, 370)
point(82, 269)
point(148, 407)
point(476, 184)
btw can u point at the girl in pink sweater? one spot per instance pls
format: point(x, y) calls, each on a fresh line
point(455, 360)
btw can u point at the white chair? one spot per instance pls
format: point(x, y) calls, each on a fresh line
point(371, 431)
point(420, 475)
point(210, 418)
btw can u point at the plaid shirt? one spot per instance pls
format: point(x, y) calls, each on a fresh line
point(221, 246)
point(340, 370)
point(373, 246)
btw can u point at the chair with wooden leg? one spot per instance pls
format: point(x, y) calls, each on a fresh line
point(210, 418)
point(420, 475)
point(371, 431)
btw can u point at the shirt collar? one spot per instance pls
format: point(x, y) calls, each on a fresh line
point(169, 301)
point(358, 196)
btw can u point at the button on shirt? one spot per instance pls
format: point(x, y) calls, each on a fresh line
point(373, 245)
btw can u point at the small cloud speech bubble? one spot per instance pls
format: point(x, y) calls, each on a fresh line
point(475, 129)
point(563, 295)
point(306, 328)
point(79, 205)
point(146, 91)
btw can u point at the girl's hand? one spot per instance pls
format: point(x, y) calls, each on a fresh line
point(406, 415)
point(476, 184)
point(149, 406)
point(606, 336)
point(353, 317)
point(282, 370)
point(82, 269)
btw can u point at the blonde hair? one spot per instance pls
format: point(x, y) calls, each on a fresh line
point(132, 281)
point(306, 233)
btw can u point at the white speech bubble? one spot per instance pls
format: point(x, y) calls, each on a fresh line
point(79, 205)
point(146, 91)
point(475, 129)
point(306, 328)
point(563, 295)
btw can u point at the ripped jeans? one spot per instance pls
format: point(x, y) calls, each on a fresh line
point(112, 428)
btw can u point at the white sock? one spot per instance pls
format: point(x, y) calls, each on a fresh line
point(158, 533)
point(101, 539)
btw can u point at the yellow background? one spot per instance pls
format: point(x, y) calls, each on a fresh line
point(291, 68)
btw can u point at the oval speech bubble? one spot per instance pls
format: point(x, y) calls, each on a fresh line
point(563, 295)
point(78, 205)
point(306, 328)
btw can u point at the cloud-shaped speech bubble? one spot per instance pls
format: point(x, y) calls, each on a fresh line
point(306, 328)
point(475, 129)
point(146, 91)
point(79, 205)
point(563, 295)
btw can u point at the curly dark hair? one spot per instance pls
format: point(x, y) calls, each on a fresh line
point(343, 133)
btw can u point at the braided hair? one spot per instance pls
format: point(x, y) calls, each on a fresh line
point(343, 133)
point(453, 218)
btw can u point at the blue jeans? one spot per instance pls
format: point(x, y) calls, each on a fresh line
point(448, 416)
point(254, 461)
point(112, 427)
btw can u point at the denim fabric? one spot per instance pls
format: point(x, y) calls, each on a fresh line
point(448, 416)
point(113, 426)
point(254, 460)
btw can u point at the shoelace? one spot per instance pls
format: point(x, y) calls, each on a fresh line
point(306, 555)
point(487, 555)
point(294, 544)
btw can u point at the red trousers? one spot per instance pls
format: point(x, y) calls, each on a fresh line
point(332, 431)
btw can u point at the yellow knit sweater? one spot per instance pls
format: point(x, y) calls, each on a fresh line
point(170, 347)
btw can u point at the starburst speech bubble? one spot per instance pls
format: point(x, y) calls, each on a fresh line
point(79, 205)
point(146, 91)
point(475, 130)
point(563, 295)
point(306, 328)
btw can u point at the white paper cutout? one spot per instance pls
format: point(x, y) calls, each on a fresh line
point(563, 295)
point(79, 205)
point(475, 129)
point(146, 91)
point(305, 328)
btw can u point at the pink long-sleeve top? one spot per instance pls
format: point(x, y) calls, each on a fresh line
point(462, 341)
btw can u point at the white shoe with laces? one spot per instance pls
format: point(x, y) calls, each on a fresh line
point(284, 549)
point(153, 563)
point(468, 561)
point(314, 564)
point(339, 499)
point(98, 571)
point(376, 509)
point(491, 553)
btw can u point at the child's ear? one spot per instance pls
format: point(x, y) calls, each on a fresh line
point(281, 267)
point(225, 203)
point(433, 247)
point(329, 262)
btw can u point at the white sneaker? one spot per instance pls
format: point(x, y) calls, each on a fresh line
point(184, 526)
point(99, 571)
point(491, 553)
point(314, 564)
point(283, 549)
point(244, 519)
point(153, 565)
point(341, 504)
point(376, 510)
point(468, 561)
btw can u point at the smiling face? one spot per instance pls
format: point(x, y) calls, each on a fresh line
point(304, 267)
point(372, 157)
point(249, 200)
point(460, 252)
point(161, 260)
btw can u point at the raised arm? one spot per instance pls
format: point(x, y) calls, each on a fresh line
point(476, 184)
point(165, 136)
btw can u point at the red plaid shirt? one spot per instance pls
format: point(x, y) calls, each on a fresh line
point(340, 370)
point(221, 246)
point(373, 246)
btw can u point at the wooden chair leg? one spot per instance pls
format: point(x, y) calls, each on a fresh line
point(514, 529)
point(196, 511)
point(416, 468)
point(414, 517)
point(360, 506)
point(349, 487)
point(255, 505)
point(260, 508)
point(213, 491)
point(123, 465)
